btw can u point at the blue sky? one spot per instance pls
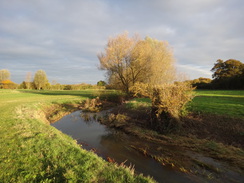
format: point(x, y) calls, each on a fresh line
point(64, 37)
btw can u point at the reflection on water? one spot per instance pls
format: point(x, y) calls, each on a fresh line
point(114, 144)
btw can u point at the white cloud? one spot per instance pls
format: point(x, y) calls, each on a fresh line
point(193, 71)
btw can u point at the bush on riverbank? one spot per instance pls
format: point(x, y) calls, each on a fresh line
point(168, 102)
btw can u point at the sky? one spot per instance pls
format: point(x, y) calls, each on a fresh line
point(64, 37)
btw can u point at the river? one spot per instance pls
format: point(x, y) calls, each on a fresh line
point(116, 145)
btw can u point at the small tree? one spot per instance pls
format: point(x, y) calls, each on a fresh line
point(101, 83)
point(40, 79)
point(4, 75)
point(28, 80)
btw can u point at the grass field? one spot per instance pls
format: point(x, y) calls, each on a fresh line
point(228, 103)
point(221, 102)
point(33, 151)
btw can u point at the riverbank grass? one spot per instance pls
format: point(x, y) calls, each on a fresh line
point(33, 151)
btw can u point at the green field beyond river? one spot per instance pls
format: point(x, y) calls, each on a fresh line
point(34, 151)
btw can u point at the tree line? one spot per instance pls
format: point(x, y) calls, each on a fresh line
point(40, 81)
point(227, 74)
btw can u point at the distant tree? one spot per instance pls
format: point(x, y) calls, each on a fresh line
point(55, 85)
point(4, 75)
point(101, 83)
point(47, 86)
point(201, 83)
point(28, 79)
point(228, 74)
point(40, 79)
point(227, 69)
point(67, 87)
point(131, 60)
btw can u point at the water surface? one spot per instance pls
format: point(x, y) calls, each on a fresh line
point(116, 145)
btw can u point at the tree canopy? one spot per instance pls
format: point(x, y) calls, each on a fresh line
point(40, 79)
point(228, 74)
point(131, 60)
point(4, 75)
point(226, 69)
point(101, 83)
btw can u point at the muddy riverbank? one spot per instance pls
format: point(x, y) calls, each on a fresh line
point(172, 152)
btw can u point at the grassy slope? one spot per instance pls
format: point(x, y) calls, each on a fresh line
point(32, 151)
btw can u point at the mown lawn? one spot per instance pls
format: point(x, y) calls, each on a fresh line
point(221, 102)
point(33, 151)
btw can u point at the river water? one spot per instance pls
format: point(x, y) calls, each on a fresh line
point(117, 146)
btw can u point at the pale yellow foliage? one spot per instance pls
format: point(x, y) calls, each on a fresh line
point(157, 57)
point(131, 60)
point(169, 98)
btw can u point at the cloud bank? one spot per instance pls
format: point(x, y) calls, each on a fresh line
point(63, 37)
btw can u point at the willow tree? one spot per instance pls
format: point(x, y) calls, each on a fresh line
point(132, 60)
point(40, 79)
point(155, 61)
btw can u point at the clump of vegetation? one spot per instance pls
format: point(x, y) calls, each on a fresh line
point(115, 96)
point(92, 105)
point(117, 120)
point(168, 100)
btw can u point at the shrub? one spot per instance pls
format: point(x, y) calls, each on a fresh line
point(168, 100)
point(8, 84)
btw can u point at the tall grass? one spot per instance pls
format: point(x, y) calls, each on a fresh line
point(33, 151)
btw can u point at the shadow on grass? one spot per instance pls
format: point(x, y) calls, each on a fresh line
point(82, 93)
point(114, 96)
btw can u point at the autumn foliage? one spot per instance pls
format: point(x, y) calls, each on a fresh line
point(168, 101)
point(129, 60)
point(8, 84)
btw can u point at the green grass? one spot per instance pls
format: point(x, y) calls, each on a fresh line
point(137, 103)
point(34, 151)
point(221, 102)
